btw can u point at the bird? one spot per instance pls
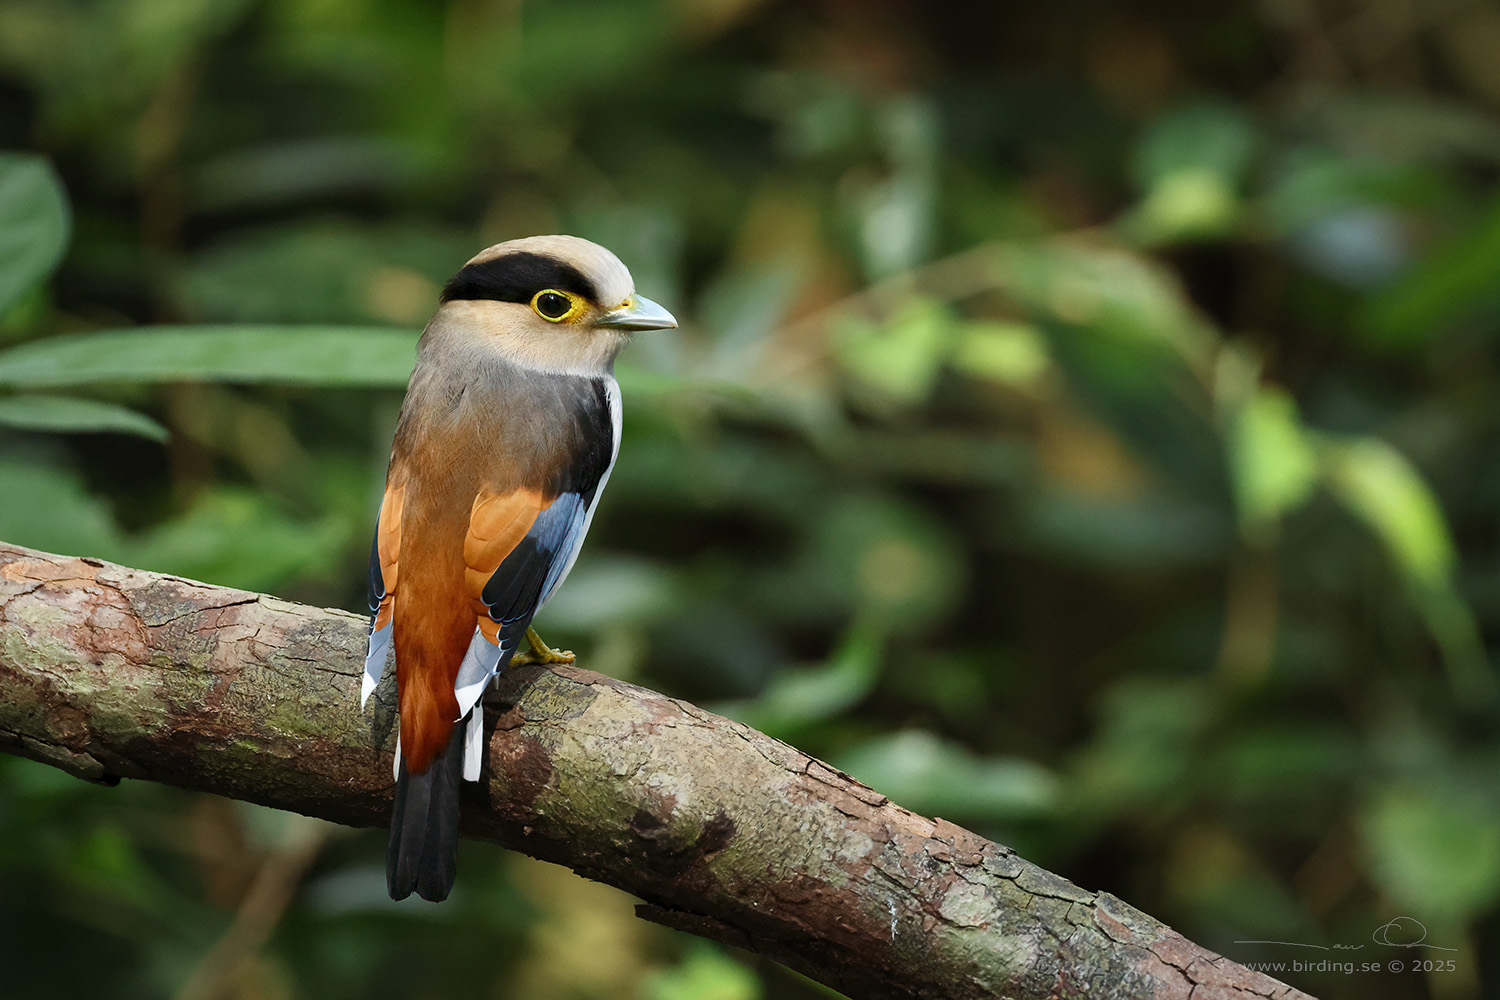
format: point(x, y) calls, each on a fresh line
point(507, 435)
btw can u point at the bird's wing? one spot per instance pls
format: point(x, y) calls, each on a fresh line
point(385, 552)
point(522, 543)
point(503, 558)
point(518, 546)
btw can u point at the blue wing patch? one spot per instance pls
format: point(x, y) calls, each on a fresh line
point(533, 569)
point(380, 638)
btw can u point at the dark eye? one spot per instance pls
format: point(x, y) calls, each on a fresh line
point(552, 305)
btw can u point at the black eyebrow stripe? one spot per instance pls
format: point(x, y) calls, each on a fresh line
point(516, 277)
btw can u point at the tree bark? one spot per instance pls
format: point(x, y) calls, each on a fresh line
point(109, 672)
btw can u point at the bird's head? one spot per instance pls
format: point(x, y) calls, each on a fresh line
point(554, 303)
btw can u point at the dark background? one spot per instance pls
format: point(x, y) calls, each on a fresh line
point(1083, 426)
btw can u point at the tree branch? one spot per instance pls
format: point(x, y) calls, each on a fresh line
point(110, 672)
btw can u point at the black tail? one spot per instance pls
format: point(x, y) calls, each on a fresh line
point(423, 851)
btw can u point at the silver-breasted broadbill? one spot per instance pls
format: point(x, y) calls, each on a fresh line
point(509, 430)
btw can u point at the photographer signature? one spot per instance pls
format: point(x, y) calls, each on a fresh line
point(1398, 932)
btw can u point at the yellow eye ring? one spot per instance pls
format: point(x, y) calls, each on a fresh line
point(555, 306)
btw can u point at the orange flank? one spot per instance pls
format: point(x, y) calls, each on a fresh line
point(388, 542)
point(446, 566)
point(497, 524)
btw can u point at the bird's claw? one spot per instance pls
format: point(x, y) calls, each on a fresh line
point(541, 653)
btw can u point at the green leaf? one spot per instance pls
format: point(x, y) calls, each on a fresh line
point(934, 776)
point(1190, 164)
point(34, 223)
point(107, 861)
point(1185, 204)
point(1151, 527)
point(1126, 301)
point(588, 46)
point(46, 507)
point(743, 309)
point(71, 414)
point(1215, 138)
point(1381, 487)
point(1147, 746)
point(1275, 466)
point(705, 973)
point(322, 273)
point(1314, 183)
point(238, 538)
point(1008, 353)
point(370, 357)
point(1436, 854)
point(895, 213)
point(1450, 284)
point(900, 359)
point(798, 696)
point(1277, 759)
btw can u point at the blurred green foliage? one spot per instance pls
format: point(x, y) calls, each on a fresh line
point(1083, 426)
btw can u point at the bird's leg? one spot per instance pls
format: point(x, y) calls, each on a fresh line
point(540, 652)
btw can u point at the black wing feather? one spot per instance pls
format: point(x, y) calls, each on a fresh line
point(377, 578)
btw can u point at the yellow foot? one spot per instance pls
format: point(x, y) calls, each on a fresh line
point(540, 652)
